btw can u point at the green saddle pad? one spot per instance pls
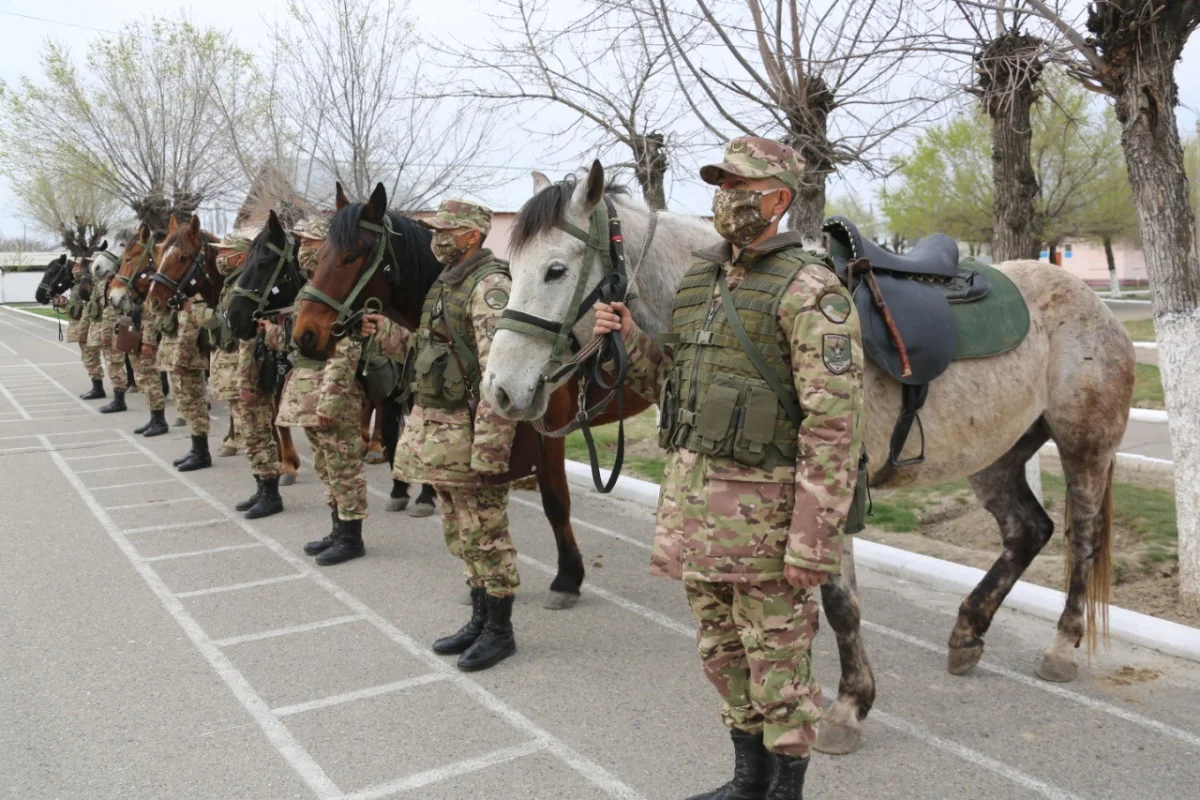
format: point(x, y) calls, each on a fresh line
point(997, 323)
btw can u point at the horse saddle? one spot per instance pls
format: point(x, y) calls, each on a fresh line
point(905, 307)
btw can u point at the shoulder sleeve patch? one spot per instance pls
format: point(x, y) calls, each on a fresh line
point(496, 298)
point(834, 305)
point(836, 353)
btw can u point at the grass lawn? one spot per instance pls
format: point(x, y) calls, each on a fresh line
point(643, 458)
point(1140, 330)
point(1147, 387)
point(43, 311)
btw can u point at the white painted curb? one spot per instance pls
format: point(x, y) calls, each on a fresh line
point(1162, 635)
point(51, 320)
point(1147, 415)
point(1146, 345)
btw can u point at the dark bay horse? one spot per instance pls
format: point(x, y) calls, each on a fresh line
point(405, 275)
point(56, 280)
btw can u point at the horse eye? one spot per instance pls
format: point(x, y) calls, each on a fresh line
point(554, 272)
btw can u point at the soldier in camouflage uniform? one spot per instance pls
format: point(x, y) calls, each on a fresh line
point(183, 352)
point(454, 437)
point(325, 399)
point(79, 323)
point(102, 329)
point(763, 469)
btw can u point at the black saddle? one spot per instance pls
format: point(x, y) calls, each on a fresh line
point(917, 290)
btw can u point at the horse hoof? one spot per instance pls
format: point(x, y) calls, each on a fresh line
point(419, 510)
point(962, 659)
point(287, 479)
point(560, 601)
point(1056, 669)
point(226, 451)
point(374, 457)
point(397, 503)
point(837, 740)
point(179, 422)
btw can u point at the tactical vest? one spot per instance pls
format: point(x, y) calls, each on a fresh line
point(443, 371)
point(715, 401)
point(220, 334)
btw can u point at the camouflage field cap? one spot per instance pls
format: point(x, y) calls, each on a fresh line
point(460, 214)
point(752, 157)
point(234, 240)
point(315, 228)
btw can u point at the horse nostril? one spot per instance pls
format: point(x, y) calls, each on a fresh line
point(306, 339)
point(503, 401)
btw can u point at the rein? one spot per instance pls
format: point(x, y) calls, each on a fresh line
point(604, 242)
point(347, 316)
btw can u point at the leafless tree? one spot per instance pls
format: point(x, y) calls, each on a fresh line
point(360, 106)
point(834, 80)
point(608, 68)
point(138, 121)
point(76, 212)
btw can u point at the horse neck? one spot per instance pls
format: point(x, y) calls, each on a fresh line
point(215, 282)
point(670, 256)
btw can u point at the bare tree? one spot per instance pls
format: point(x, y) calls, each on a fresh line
point(362, 111)
point(76, 212)
point(608, 68)
point(833, 80)
point(1130, 52)
point(137, 122)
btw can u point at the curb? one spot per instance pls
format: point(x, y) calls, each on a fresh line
point(1146, 345)
point(15, 310)
point(1162, 635)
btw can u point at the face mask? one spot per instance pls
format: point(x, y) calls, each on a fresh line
point(226, 265)
point(307, 256)
point(446, 248)
point(737, 215)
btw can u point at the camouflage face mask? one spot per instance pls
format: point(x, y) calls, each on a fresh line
point(446, 248)
point(737, 215)
point(307, 256)
point(226, 264)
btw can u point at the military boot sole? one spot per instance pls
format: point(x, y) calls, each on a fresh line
point(265, 508)
point(469, 665)
point(339, 555)
point(156, 430)
point(246, 505)
point(179, 461)
point(455, 645)
point(318, 547)
point(93, 396)
point(193, 464)
point(111, 409)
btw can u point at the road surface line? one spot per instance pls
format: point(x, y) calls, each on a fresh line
point(127, 485)
point(191, 553)
point(276, 732)
point(361, 694)
point(237, 587)
point(111, 469)
point(171, 526)
point(152, 503)
point(13, 401)
point(288, 631)
point(458, 768)
point(90, 409)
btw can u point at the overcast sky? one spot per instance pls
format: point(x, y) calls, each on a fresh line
point(75, 22)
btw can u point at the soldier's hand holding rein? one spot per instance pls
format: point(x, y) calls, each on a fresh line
point(371, 323)
point(610, 318)
point(801, 578)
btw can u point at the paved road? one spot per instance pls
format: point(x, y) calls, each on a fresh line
point(156, 645)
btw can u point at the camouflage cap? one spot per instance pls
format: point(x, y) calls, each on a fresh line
point(753, 157)
point(315, 228)
point(234, 240)
point(460, 214)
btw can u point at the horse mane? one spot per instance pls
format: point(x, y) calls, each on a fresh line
point(543, 211)
point(411, 244)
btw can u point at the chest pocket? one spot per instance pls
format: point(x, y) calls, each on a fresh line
point(437, 375)
point(168, 324)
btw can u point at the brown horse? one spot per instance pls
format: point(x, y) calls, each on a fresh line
point(405, 275)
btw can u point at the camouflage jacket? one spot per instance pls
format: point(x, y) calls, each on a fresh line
point(150, 332)
point(449, 446)
point(100, 332)
point(721, 521)
point(316, 389)
point(181, 349)
point(245, 378)
point(222, 366)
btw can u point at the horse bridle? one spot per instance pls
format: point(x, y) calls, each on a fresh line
point(347, 315)
point(603, 241)
point(139, 270)
point(261, 299)
point(189, 276)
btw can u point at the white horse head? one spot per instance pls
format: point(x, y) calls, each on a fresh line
point(547, 266)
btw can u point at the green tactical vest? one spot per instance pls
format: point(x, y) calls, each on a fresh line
point(715, 400)
point(444, 370)
point(219, 333)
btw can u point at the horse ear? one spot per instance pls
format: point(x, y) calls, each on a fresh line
point(377, 205)
point(540, 182)
point(595, 185)
point(103, 246)
point(274, 225)
point(340, 200)
point(194, 226)
point(144, 234)
point(173, 225)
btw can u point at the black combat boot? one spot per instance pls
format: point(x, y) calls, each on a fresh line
point(249, 502)
point(320, 545)
point(143, 428)
point(497, 642)
point(186, 456)
point(97, 392)
point(789, 778)
point(458, 643)
point(200, 457)
point(346, 545)
point(269, 502)
point(752, 769)
point(117, 404)
point(158, 424)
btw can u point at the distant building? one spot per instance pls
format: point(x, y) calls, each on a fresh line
point(20, 273)
point(1085, 259)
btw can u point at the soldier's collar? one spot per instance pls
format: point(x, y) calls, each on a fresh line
point(459, 272)
point(722, 251)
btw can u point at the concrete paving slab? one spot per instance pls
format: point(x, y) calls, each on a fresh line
point(262, 608)
point(220, 569)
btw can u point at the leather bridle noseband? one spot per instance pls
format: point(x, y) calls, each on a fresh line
point(143, 269)
point(178, 297)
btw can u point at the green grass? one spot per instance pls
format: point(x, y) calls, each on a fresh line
point(1147, 387)
point(42, 311)
point(899, 511)
point(1140, 330)
point(643, 459)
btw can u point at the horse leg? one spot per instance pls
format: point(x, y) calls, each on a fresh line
point(229, 445)
point(556, 503)
point(375, 442)
point(1024, 527)
point(289, 459)
point(364, 426)
point(388, 416)
point(841, 727)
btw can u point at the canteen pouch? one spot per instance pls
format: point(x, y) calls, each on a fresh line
point(220, 334)
point(714, 423)
point(438, 376)
point(75, 309)
point(168, 324)
point(755, 425)
point(128, 338)
point(856, 519)
point(668, 409)
point(382, 376)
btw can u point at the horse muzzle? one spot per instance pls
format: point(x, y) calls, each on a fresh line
point(514, 401)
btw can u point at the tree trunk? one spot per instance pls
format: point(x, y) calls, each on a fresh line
point(1052, 251)
point(650, 158)
point(1114, 284)
point(809, 137)
point(1146, 98)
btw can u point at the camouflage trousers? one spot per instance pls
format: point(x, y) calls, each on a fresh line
point(253, 423)
point(475, 524)
point(337, 461)
point(755, 644)
point(92, 361)
point(189, 399)
point(114, 359)
point(147, 380)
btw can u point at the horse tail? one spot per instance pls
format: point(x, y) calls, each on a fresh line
point(1098, 591)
